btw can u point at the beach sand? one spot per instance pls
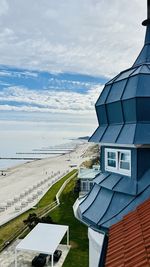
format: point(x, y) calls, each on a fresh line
point(34, 176)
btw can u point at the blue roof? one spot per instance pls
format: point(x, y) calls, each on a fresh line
point(123, 134)
point(123, 106)
point(123, 111)
point(112, 197)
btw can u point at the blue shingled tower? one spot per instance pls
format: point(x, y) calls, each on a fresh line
point(123, 112)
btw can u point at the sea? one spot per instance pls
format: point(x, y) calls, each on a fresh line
point(26, 135)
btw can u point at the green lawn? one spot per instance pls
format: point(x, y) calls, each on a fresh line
point(78, 255)
point(10, 229)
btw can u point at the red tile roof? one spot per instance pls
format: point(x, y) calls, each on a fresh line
point(129, 240)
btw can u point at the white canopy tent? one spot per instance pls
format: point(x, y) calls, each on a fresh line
point(44, 238)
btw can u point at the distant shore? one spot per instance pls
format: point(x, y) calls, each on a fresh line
point(37, 154)
point(18, 179)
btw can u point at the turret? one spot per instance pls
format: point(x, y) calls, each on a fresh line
point(123, 112)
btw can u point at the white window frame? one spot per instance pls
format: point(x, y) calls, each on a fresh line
point(117, 169)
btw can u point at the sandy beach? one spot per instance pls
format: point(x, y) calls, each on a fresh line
point(23, 185)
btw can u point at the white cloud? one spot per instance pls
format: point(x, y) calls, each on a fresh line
point(4, 7)
point(85, 36)
point(22, 99)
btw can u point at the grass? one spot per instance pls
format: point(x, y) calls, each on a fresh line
point(49, 197)
point(11, 228)
point(78, 255)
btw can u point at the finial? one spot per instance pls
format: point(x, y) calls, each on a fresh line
point(147, 21)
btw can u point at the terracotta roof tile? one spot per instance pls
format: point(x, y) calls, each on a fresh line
point(129, 239)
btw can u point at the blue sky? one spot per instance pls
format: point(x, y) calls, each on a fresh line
point(26, 90)
point(58, 48)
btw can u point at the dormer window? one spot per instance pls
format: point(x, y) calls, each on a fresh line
point(118, 161)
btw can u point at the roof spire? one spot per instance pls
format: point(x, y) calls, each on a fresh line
point(147, 21)
point(144, 56)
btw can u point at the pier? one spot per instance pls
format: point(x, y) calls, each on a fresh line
point(15, 158)
point(40, 153)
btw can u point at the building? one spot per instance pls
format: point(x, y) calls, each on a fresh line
point(123, 112)
point(86, 177)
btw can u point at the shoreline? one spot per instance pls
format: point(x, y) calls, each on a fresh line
point(29, 160)
point(19, 164)
point(36, 174)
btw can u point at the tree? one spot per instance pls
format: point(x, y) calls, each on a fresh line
point(33, 220)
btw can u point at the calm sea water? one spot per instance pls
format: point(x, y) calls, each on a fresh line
point(23, 132)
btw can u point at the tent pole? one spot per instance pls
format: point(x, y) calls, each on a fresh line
point(52, 260)
point(15, 258)
point(68, 237)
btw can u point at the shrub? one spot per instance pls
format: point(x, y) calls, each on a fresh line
point(33, 220)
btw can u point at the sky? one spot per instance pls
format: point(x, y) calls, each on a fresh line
point(94, 37)
point(41, 91)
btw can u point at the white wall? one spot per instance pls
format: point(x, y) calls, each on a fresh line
point(95, 247)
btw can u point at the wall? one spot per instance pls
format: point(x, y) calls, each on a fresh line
point(95, 247)
point(143, 161)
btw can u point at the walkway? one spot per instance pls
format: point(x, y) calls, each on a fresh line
point(7, 257)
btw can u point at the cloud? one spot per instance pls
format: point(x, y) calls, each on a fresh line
point(4, 7)
point(22, 99)
point(84, 36)
point(9, 73)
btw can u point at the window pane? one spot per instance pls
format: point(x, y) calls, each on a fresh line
point(118, 161)
point(125, 156)
point(124, 165)
point(84, 186)
point(112, 163)
point(91, 185)
point(111, 155)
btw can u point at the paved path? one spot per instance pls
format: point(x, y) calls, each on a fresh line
point(24, 259)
